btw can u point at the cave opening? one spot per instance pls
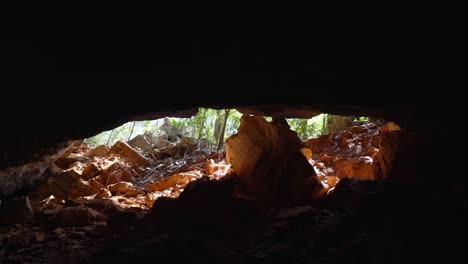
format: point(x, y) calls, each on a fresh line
point(219, 175)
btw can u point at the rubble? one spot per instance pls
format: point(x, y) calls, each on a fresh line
point(366, 151)
point(136, 190)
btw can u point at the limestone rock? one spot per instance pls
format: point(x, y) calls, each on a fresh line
point(90, 171)
point(125, 151)
point(150, 199)
point(366, 152)
point(268, 161)
point(30, 175)
point(160, 141)
point(117, 172)
point(344, 137)
point(388, 127)
point(103, 193)
point(210, 166)
point(307, 153)
point(320, 143)
point(95, 184)
point(348, 168)
point(120, 187)
point(74, 216)
point(358, 129)
point(179, 180)
point(99, 151)
point(82, 188)
point(58, 186)
point(187, 142)
point(388, 146)
point(133, 192)
point(66, 161)
point(140, 142)
point(167, 152)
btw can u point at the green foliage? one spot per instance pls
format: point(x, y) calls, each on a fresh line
point(98, 139)
point(205, 125)
point(361, 119)
point(308, 128)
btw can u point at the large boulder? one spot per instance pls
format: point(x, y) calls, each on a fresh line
point(268, 160)
point(125, 151)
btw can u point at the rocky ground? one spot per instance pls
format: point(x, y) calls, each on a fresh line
point(155, 199)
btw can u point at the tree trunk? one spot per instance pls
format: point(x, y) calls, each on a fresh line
point(217, 125)
point(110, 135)
point(324, 124)
point(131, 131)
point(201, 123)
point(223, 130)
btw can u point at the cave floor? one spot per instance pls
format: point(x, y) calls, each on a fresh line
point(197, 216)
point(387, 225)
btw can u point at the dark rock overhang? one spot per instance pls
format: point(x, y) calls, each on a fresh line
point(72, 71)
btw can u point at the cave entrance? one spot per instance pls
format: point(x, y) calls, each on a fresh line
point(205, 175)
point(138, 162)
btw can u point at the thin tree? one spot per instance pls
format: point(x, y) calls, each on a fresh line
point(131, 131)
point(200, 122)
point(324, 124)
point(110, 135)
point(217, 126)
point(223, 130)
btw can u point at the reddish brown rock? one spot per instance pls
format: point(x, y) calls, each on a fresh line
point(99, 151)
point(71, 174)
point(58, 186)
point(82, 188)
point(388, 127)
point(307, 153)
point(14, 179)
point(348, 168)
point(371, 152)
point(120, 187)
point(345, 136)
point(160, 141)
point(150, 199)
point(117, 172)
point(179, 180)
point(365, 152)
point(388, 147)
point(358, 129)
point(133, 192)
point(268, 161)
point(210, 167)
point(95, 184)
point(91, 170)
point(66, 179)
point(74, 216)
point(103, 193)
point(320, 143)
point(121, 175)
point(125, 151)
point(141, 143)
point(66, 161)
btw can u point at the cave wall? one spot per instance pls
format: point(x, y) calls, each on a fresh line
point(72, 70)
